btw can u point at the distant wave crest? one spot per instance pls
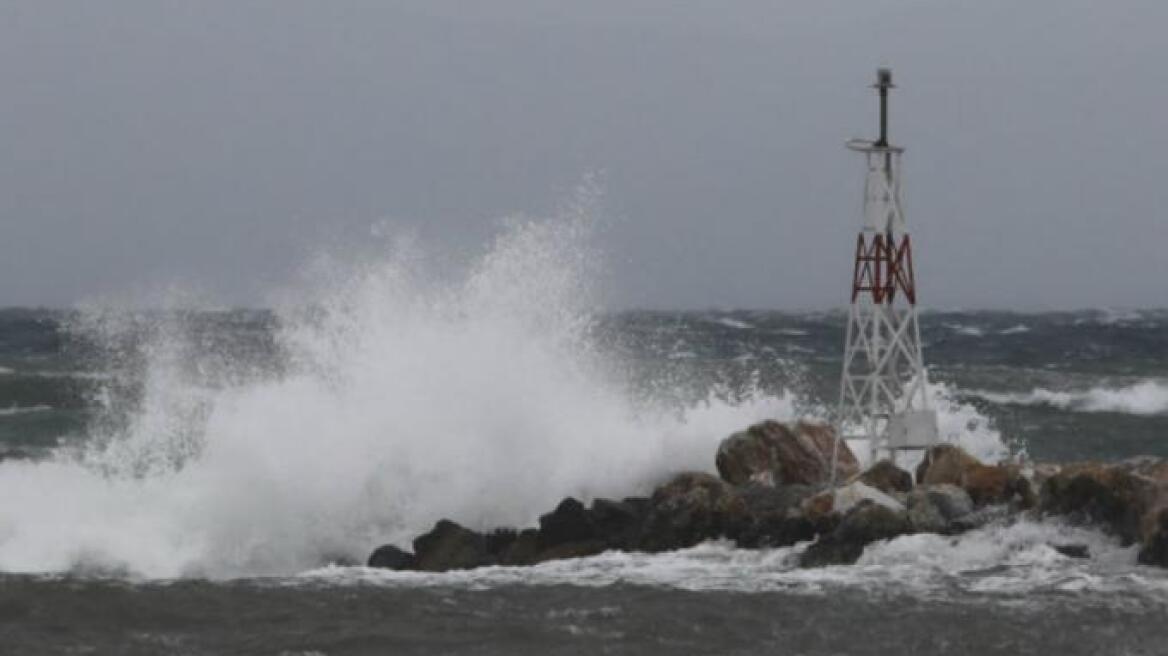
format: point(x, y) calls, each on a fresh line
point(1149, 397)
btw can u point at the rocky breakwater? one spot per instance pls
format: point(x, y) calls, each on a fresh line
point(1128, 499)
point(773, 489)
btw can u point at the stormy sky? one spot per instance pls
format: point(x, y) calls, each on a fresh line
point(220, 145)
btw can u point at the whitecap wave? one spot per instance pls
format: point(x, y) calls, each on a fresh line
point(1149, 397)
point(730, 322)
point(965, 330)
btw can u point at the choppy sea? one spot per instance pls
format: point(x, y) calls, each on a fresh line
point(208, 482)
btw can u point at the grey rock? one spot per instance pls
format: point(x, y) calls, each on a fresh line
point(936, 508)
point(449, 546)
point(390, 557)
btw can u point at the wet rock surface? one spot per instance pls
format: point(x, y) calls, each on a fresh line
point(774, 453)
point(938, 508)
point(865, 523)
point(773, 492)
point(1118, 496)
point(887, 477)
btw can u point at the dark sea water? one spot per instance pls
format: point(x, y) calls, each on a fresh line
point(202, 482)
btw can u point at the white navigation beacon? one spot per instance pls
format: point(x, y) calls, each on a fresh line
point(884, 385)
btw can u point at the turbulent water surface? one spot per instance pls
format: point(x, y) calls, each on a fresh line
point(191, 482)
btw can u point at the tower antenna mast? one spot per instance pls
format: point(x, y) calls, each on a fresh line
point(884, 385)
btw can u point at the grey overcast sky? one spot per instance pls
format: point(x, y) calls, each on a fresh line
point(220, 144)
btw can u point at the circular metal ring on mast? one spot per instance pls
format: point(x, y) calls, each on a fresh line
point(867, 146)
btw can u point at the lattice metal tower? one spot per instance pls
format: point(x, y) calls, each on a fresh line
point(884, 386)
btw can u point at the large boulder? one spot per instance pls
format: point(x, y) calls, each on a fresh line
point(887, 477)
point(864, 524)
point(945, 463)
point(773, 453)
point(938, 508)
point(449, 546)
point(1117, 496)
point(390, 557)
point(997, 484)
point(691, 508)
point(986, 484)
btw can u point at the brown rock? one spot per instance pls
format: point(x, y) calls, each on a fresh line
point(773, 453)
point(998, 484)
point(1118, 496)
point(820, 507)
point(1042, 471)
point(887, 477)
point(944, 463)
point(986, 484)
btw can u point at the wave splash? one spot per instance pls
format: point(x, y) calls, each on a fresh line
point(404, 400)
point(402, 397)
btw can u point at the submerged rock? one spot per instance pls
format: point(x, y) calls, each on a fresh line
point(773, 453)
point(887, 477)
